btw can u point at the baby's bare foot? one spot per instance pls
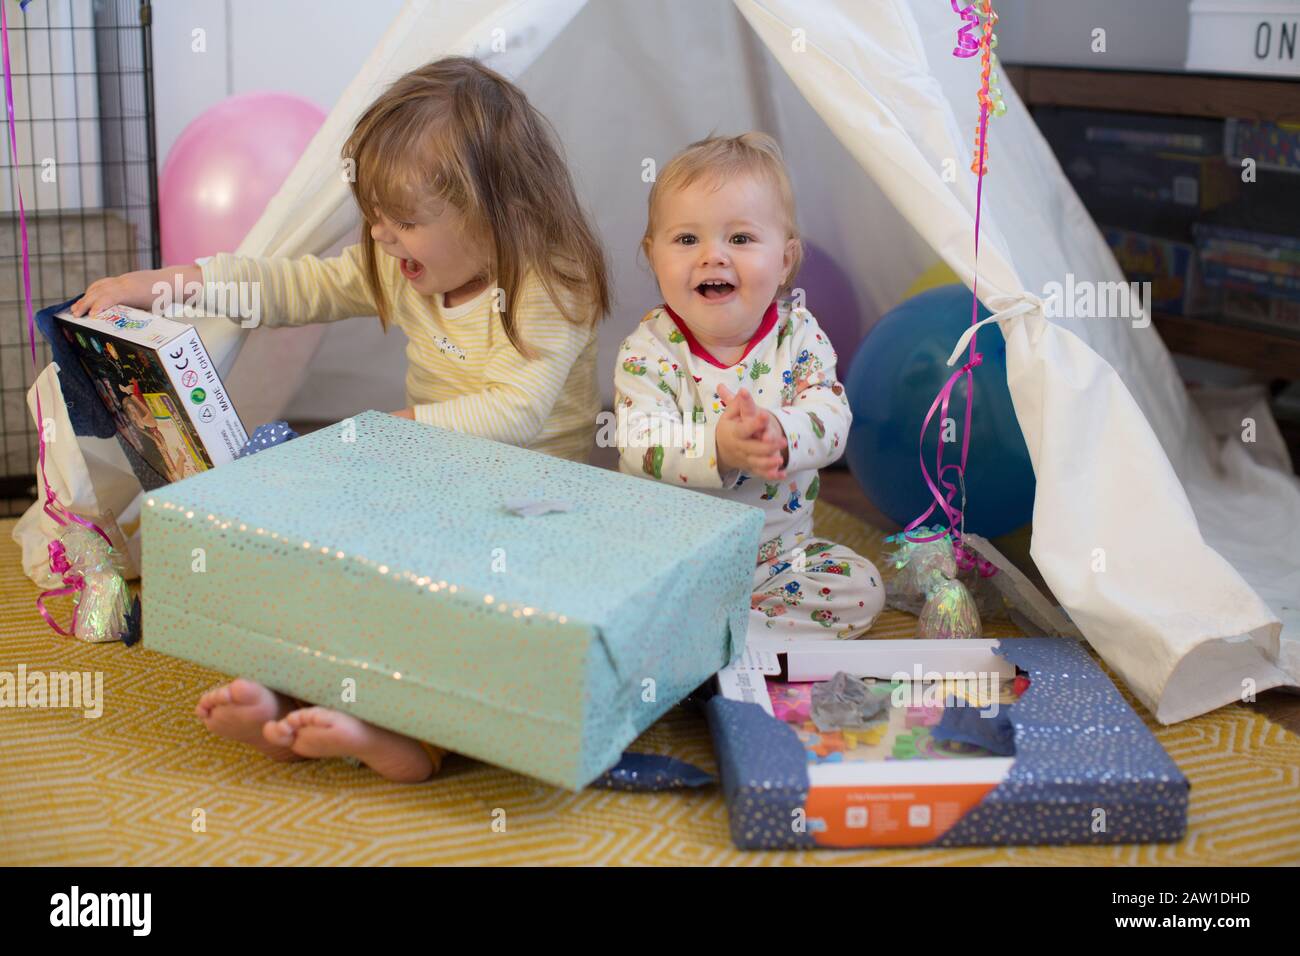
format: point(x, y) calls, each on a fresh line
point(320, 732)
point(238, 710)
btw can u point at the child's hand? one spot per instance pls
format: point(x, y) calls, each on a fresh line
point(750, 438)
point(405, 413)
point(134, 289)
point(749, 411)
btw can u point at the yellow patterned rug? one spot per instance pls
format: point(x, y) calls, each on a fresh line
point(126, 788)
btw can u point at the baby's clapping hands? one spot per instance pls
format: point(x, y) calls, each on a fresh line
point(750, 438)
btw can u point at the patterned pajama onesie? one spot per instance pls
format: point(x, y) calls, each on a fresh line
point(665, 394)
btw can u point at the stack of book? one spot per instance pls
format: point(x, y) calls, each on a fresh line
point(1251, 251)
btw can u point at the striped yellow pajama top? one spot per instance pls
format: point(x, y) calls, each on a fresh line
point(462, 371)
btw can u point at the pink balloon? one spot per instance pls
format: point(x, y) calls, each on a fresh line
point(225, 167)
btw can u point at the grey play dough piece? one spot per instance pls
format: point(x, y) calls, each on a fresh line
point(844, 702)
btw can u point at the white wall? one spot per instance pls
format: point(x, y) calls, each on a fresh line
point(311, 48)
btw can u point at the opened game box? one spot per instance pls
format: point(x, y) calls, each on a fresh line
point(156, 380)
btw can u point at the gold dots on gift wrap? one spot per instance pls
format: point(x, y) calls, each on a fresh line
point(1060, 775)
point(516, 610)
point(389, 511)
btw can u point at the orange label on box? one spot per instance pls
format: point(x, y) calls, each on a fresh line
point(897, 815)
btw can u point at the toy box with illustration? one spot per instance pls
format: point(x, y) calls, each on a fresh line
point(156, 380)
point(1171, 268)
point(1250, 260)
point(936, 742)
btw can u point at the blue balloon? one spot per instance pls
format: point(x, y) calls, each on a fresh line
point(896, 374)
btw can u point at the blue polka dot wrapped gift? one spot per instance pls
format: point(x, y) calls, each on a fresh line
point(975, 742)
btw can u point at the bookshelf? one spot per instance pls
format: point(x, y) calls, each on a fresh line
point(1274, 355)
point(1175, 94)
point(1182, 94)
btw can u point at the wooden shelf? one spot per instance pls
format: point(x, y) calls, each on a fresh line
point(1207, 95)
point(1275, 355)
point(1180, 94)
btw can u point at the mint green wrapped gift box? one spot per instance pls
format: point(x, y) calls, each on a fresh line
point(375, 567)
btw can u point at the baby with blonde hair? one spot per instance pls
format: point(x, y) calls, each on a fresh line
point(730, 389)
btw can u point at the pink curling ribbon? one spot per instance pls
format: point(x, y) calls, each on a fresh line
point(967, 44)
point(968, 559)
point(72, 581)
point(956, 522)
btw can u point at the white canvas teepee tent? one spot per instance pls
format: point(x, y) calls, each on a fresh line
point(1200, 593)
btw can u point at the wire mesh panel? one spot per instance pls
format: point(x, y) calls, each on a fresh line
point(83, 111)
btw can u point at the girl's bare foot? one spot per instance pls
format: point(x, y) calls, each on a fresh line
point(321, 732)
point(238, 710)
